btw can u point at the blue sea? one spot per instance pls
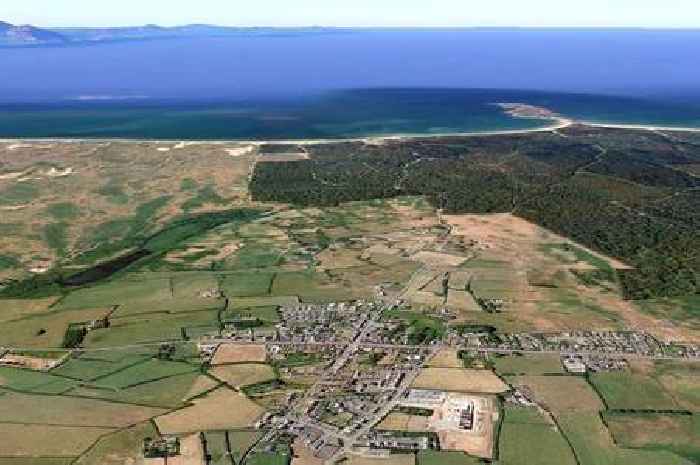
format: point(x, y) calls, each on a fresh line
point(349, 84)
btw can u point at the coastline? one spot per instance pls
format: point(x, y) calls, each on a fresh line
point(558, 123)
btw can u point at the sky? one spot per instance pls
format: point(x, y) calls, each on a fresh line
point(362, 13)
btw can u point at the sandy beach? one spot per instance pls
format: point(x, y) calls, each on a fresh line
point(557, 124)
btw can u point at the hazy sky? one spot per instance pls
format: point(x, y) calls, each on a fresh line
point(645, 13)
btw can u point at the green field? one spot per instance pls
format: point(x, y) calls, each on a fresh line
point(89, 367)
point(217, 448)
point(149, 328)
point(32, 381)
point(431, 457)
point(266, 458)
point(142, 373)
point(624, 390)
point(120, 447)
point(247, 284)
point(594, 445)
point(241, 441)
point(527, 438)
point(166, 393)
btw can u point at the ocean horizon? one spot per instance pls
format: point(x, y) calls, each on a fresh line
point(348, 84)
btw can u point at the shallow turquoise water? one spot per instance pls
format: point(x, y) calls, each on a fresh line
point(336, 114)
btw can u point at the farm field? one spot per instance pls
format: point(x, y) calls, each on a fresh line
point(576, 409)
point(120, 447)
point(394, 459)
point(527, 437)
point(240, 375)
point(219, 410)
point(679, 434)
point(459, 380)
point(528, 365)
point(445, 458)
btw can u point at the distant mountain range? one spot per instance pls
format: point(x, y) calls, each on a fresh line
point(27, 35)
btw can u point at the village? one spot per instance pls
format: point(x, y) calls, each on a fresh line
point(371, 359)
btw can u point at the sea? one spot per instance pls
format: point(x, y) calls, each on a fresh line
point(352, 83)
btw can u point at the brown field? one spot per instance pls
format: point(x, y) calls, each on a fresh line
point(243, 374)
point(191, 452)
point(402, 422)
point(438, 260)
point(302, 455)
point(561, 393)
point(462, 300)
point(33, 440)
point(239, 353)
point(13, 309)
point(652, 429)
point(338, 258)
point(201, 385)
point(459, 280)
point(222, 409)
point(446, 358)
point(71, 411)
point(394, 459)
point(460, 380)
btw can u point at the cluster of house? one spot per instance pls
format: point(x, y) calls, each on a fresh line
point(601, 342)
point(580, 364)
point(162, 447)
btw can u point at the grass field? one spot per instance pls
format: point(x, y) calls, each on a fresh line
point(247, 285)
point(240, 441)
point(13, 309)
point(561, 393)
point(88, 367)
point(445, 458)
point(624, 390)
point(37, 460)
point(393, 459)
point(680, 380)
point(58, 441)
point(119, 448)
point(44, 330)
point(143, 373)
point(217, 448)
point(166, 393)
point(110, 196)
point(150, 328)
point(528, 438)
point(267, 458)
point(655, 431)
point(31, 381)
point(594, 445)
point(528, 365)
point(70, 411)
point(576, 408)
